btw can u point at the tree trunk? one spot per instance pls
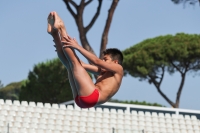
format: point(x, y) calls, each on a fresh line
point(83, 30)
point(104, 38)
point(157, 85)
point(180, 90)
point(84, 40)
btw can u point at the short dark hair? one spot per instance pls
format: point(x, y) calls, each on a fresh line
point(115, 54)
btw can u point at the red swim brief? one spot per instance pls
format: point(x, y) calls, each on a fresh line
point(87, 101)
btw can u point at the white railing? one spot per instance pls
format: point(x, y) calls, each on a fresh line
point(129, 107)
point(152, 108)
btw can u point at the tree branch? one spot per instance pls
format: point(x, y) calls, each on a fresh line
point(162, 75)
point(176, 67)
point(73, 3)
point(70, 9)
point(104, 39)
point(195, 67)
point(82, 4)
point(88, 2)
point(79, 22)
point(95, 17)
point(157, 85)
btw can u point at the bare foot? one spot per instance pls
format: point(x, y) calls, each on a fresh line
point(59, 24)
point(50, 25)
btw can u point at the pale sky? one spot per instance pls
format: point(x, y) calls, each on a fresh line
point(24, 41)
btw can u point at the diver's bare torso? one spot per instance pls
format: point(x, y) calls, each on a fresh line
point(108, 84)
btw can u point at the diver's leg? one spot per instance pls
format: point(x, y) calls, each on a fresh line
point(82, 79)
point(61, 55)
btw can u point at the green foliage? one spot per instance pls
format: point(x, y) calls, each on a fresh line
point(1, 85)
point(192, 2)
point(11, 91)
point(150, 59)
point(180, 52)
point(136, 103)
point(47, 83)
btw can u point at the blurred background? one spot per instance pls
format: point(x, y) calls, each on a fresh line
point(26, 49)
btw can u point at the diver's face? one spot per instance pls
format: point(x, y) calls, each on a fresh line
point(108, 59)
